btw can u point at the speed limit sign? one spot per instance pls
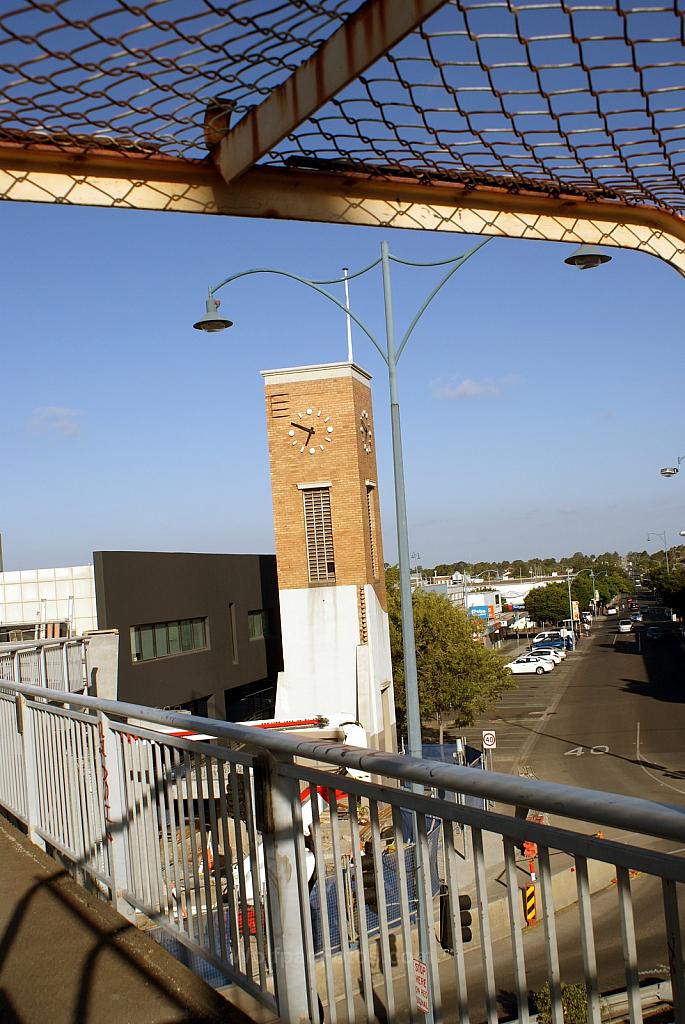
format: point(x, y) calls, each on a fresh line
point(489, 739)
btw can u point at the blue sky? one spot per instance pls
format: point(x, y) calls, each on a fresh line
point(538, 402)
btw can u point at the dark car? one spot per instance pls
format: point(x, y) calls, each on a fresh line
point(654, 633)
point(561, 643)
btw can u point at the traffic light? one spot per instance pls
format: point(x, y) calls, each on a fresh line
point(465, 917)
point(369, 878)
point(446, 919)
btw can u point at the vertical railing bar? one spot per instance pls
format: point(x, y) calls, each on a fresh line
point(75, 809)
point(320, 868)
point(192, 835)
point(433, 966)
point(133, 813)
point(516, 924)
point(99, 781)
point(305, 907)
point(675, 949)
point(343, 922)
point(146, 868)
point(452, 879)
point(184, 894)
point(162, 789)
point(587, 939)
point(174, 883)
point(228, 865)
point(200, 760)
point(52, 777)
point(211, 803)
point(67, 756)
point(405, 912)
point(155, 791)
point(386, 964)
point(80, 794)
point(547, 896)
point(85, 775)
point(256, 891)
point(58, 778)
point(484, 924)
point(240, 864)
point(367, 988)
point(41, 773)
point(625, 903)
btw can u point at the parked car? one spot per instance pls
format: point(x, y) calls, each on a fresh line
point(550, 634)
point(563, 643)
point(555, 653)
point(625, 626)
point(527, 663)
point(654, 633)
point(612, 611)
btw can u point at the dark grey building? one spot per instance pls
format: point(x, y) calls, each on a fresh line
point(199, 632)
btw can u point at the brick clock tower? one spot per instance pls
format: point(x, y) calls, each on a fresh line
point(334, 619)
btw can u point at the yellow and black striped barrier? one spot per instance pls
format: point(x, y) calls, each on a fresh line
point(529, 905)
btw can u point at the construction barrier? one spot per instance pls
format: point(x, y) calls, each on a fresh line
point(529, 905)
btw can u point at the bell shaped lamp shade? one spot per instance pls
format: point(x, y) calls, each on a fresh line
point(586, 257)
point(669, 471)
point(212, 320)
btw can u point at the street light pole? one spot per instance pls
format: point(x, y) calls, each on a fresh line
point(570, 610)
point(663, 537)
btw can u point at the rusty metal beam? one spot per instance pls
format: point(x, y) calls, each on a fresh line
point(129, 181)
point(369, 33)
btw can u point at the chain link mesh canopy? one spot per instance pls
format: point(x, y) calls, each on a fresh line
point(105, 101)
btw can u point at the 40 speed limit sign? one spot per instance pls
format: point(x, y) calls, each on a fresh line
point(489, 739)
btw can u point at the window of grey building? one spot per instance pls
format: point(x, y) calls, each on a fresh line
point(165, 639)
point(258, 624)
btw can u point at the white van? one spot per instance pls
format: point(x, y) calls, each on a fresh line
point(551, 634)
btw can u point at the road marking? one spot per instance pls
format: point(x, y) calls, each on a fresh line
point(599, 748)
point(676, 789)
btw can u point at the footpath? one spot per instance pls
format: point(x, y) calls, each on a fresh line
point(67, 958)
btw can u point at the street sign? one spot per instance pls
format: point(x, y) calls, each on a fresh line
point(489, 739)
point(421, 986)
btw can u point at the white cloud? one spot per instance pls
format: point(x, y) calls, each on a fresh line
point(470, 388)
point(56, 419)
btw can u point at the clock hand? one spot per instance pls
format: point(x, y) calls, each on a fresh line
point(301, 426)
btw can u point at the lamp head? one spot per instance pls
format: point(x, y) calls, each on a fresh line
point(212, 320)
point(681, 533)
point(586, 257)
point(669, 471)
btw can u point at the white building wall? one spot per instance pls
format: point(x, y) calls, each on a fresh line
point(327, 671)
point(45, 595)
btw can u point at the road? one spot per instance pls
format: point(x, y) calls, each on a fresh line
point(611, 717)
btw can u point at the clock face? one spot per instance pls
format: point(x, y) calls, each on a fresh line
point(365, 431)
point(310, 431)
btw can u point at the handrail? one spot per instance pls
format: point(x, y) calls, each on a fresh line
point(664, 821)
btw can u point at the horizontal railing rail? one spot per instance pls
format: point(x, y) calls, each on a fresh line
point(287, 866)
point(55, 664)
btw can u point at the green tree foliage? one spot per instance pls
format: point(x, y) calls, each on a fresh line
point(670, 586)
point(573, 1003)
point(458, 678)
point(548, 603)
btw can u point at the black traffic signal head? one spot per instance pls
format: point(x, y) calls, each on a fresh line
point(369, 880)
point(465, 917)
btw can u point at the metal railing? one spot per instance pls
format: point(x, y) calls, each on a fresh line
point(247, 851)
point(57, 664)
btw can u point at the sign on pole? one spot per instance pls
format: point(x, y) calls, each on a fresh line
point(489, 739)
point(421, 986)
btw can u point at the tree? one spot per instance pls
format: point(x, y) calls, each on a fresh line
point(458, 679)
point(549, 603)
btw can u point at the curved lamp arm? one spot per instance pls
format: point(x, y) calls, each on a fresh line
point(315, 287)
point(457, 263)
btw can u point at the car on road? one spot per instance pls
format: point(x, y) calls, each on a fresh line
point(555, 653)
point(654, 633)
point(625, 626)
point(636, 617)
point(612, 611)
point(528, 663)
point(550, 634)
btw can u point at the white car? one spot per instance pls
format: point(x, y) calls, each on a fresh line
point(529, 663)
point(625, 626)
point(550, 652)
point(550, 634)
point(612, 611)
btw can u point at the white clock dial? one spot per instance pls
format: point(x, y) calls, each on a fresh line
point(310, 430)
